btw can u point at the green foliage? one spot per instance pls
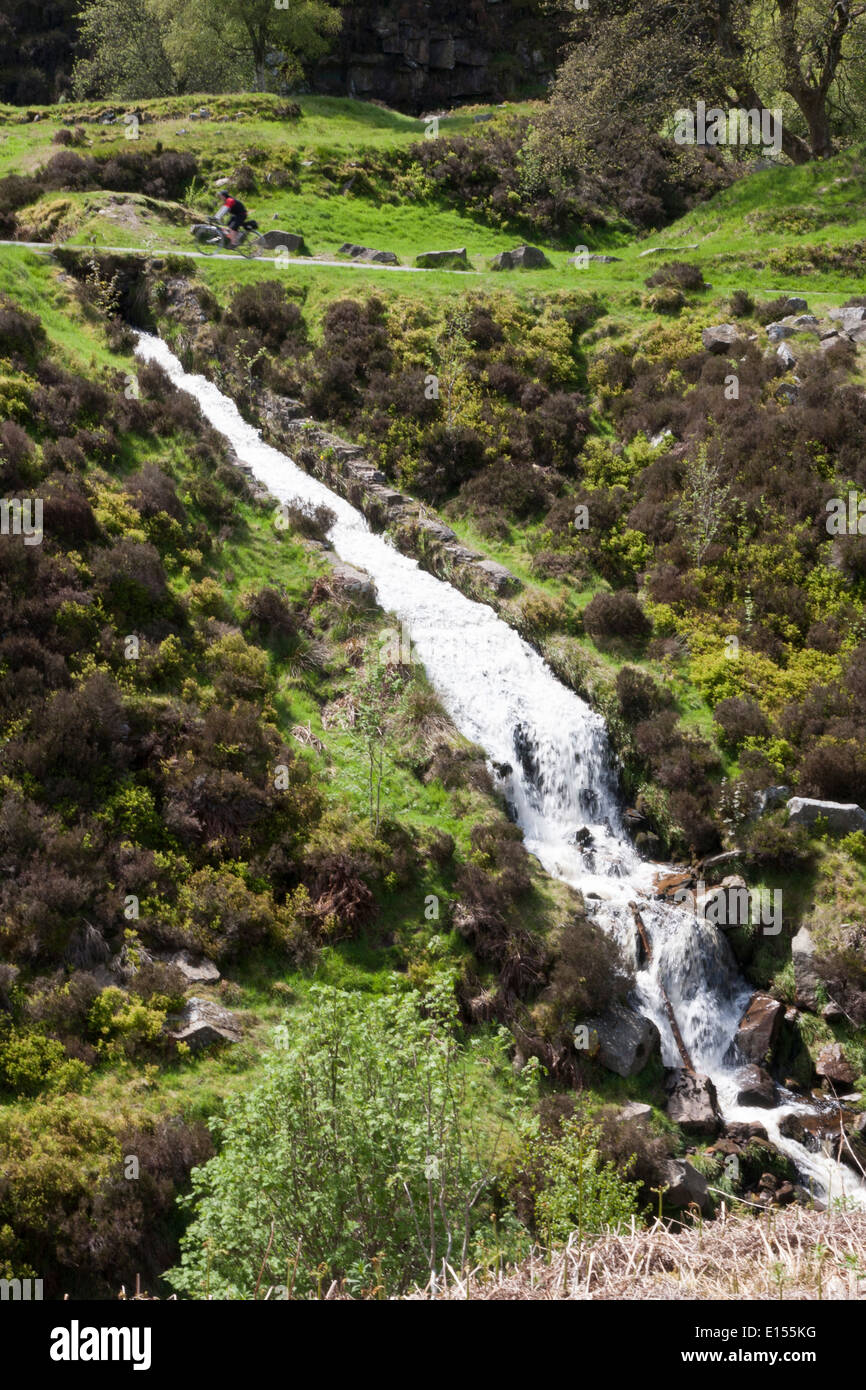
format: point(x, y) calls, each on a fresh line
point(366, 1138)
point(575, 1189)
point(32, 1065)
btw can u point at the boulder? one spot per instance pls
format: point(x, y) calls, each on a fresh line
point(692, 1102)
point(498, 577)
point(755, 1087)
point(290, 240)
point(355, 583)
point(743, 1134)
point(605, 260)
point(841, 816)
point(637, 1111)
point(806, 977)
point(521, 258)
point(777, 331)
point(848, 318)
point(366, 253)
point(786, 356)
point(443, 260)
point(794, 305)
point(721, 338)
point(759, 1027)
point(808, 1127)
point(685, 1185)
point(626, 1040)
point(667, 885)
point(195, 970)
point(770, 797)
point(834, 1065)
point(202, 1023)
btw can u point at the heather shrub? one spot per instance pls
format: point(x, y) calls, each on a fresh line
point(616, 615)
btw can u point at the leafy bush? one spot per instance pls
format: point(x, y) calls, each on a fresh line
point(365, 1119)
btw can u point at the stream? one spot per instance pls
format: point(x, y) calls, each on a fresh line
point(553, 762)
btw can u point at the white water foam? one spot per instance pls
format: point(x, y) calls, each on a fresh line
point(560, 776)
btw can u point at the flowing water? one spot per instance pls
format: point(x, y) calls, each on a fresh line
point(552, 757)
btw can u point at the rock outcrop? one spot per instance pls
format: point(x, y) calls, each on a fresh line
point(202, 1023)
point(692, 1102)
point(841, 817)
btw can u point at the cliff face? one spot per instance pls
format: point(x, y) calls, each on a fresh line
point(420, 55)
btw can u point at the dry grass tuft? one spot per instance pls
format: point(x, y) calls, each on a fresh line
point(792, 1254)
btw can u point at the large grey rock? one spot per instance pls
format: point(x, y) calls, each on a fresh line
point(841, 816)
point(848, 318)
point(202, 1023)
point(759, 1027)
point(755, 1087)
point(692, 1102)
point(521, 258)
point(685, 1185)
point(720, 338)
point(626, 1040)
point(777, 331)
point(640, 1113)
point(499, 578)
point(806, 977)
point(355, 583)
point(796, 306)
point(290, 240)
point(443, 260)
point(195, 970)
point(786, 356)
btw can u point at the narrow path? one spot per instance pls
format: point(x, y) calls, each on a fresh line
point(232, 256)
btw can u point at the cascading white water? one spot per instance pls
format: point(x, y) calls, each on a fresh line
point(554, 763)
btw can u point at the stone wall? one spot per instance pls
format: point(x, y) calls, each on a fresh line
point(419, 56)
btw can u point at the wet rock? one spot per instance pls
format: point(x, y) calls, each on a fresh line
point(292, 241)
point(692, 1102)
point(443, 260)
point(202, 1023)
point(626, 1040)
point(649, 844)
point(755, 1086)
point(720, 338)
point(685, 1185)
point(521, 258)
point(196, 970)
point(834, 1065)
point(666, 885)
point(743, 1133)
point(759, 1027)
point(841, 816)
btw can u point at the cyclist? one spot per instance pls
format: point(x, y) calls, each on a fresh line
point(233, 209)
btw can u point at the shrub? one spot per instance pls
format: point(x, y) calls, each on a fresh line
point(680, 274)
point(361, 1088)
point(739, 719)
point(31, 1064)
point(616, 615)
point(638, 695)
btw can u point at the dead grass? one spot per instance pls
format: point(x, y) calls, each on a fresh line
point(792, 1254)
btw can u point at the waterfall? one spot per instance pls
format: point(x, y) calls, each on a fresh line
point(554, 764)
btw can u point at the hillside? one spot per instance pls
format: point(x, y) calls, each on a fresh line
point(230, 775)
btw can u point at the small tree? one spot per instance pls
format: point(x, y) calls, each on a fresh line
point(704, 504)
point(375, 704)
point(365, 1151)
